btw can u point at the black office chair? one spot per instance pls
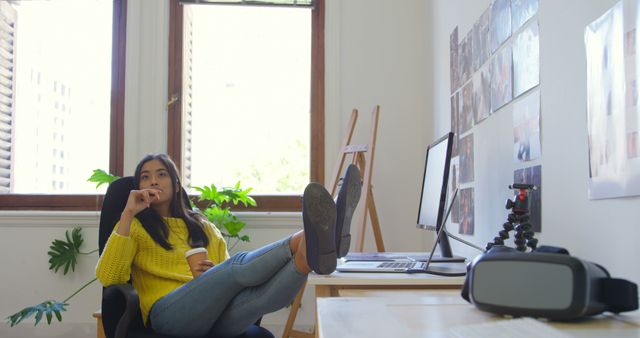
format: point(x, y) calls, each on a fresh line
point(121, 316)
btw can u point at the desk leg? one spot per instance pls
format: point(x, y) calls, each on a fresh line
point(325, 291)
point(322, 291)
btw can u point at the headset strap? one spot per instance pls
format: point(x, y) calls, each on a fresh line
point(619, 295)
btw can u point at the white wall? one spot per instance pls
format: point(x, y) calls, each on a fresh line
point(376, 53)
point(602, 231)
point(24, 241)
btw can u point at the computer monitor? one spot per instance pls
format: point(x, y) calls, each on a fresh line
point(434, 189)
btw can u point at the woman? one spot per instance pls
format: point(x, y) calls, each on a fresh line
point(155, 230)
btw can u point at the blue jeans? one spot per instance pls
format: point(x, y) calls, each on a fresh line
point(232, 295)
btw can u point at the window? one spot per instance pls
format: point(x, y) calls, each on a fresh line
point(249, 87)
point(56, 51)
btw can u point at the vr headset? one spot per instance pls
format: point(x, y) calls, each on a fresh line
point(546, 283)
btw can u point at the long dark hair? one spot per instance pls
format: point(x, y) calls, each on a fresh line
point(180, 207)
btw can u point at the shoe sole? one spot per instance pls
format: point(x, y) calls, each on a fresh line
point(348, 198)
point(319, 217)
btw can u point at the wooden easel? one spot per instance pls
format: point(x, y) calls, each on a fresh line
point(365, 165)
point(362, 156)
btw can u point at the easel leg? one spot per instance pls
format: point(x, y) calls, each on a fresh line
point(375, 224)
point(293, 313)
point(351, 127)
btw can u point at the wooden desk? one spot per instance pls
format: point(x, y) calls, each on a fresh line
point(331, 285)
point(431, 313)
point(335, 284)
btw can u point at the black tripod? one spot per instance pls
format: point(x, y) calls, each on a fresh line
point(518, 219)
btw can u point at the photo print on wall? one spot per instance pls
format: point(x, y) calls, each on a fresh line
point(521, 11)
point(500, 23)
point(526, 60)
point(454, 62)
point(526, 127)
point(480, 42)
point(466, 212)
point(466, 159)
point(501, 85)
point(611, 125)
point(466, 59)
point(532, 175)
point(465, 109)
point(631, 94)
point(482, 95)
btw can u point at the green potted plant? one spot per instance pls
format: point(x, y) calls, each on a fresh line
point(63, 254)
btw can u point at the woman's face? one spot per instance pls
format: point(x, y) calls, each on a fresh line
point(154, 175)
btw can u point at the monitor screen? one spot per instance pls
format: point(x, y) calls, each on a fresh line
point(434, 188)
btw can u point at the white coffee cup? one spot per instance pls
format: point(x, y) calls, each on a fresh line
point(194, 257)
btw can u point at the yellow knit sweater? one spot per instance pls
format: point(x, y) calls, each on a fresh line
point(154, 270)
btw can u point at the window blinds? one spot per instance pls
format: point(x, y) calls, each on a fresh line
point(7, 71)
point(286, 3)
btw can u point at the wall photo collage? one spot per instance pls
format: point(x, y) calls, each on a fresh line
point(497, 61)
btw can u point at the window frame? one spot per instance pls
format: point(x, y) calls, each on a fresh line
point(90, 202)
point(266, 203)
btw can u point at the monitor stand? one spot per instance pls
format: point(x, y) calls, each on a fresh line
point(444, 240)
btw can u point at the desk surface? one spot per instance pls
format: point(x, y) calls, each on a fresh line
point(431, 313)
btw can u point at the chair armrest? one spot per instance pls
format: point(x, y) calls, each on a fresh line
point(120, 305)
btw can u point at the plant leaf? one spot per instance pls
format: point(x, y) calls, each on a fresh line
point(17, 317)
point(49, 316)
point(101, 177)
point(234, 226)
point(38, 316)
point(64, 253)
point(47, 308)
point(218, 212)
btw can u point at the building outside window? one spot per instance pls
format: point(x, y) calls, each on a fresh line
point(56, 52)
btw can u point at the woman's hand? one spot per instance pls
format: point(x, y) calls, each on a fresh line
point(140, 200)
point(203, 266)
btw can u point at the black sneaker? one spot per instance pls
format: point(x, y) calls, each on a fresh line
point(346, 203)
point(319, 217)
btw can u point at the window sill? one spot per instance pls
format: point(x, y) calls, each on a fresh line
point(90, 219)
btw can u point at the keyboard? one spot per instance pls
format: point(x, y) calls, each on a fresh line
point(397, 265)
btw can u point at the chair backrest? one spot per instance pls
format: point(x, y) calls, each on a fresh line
point(115, 199)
